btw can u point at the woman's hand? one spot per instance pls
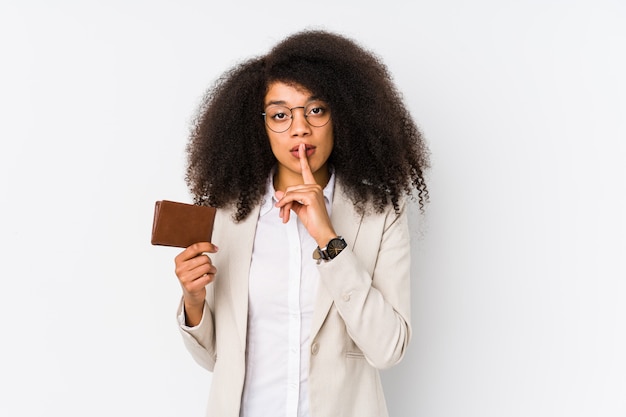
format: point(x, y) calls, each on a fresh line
point(307, 201)
point(195, 271)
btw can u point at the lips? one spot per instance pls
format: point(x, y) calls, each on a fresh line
point(310, 150)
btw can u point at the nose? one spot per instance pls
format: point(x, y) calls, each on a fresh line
point(299, 124)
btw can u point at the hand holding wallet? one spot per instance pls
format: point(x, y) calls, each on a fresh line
point(180, 224)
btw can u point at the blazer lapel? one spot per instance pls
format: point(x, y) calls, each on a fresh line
point(347, 223)
point(241, 242)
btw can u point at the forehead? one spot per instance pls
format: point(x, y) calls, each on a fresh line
point(279, 92)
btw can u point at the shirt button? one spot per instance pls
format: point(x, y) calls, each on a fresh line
point(346, 297)
point(315, 348)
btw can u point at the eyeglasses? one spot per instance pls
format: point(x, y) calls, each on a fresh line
point(279, 118)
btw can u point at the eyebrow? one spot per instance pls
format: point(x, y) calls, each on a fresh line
point(284, 103)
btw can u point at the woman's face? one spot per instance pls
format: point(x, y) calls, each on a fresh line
point(281, 100)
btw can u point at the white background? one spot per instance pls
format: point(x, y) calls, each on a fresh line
point(519, 280)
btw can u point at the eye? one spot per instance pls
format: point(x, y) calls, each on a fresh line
point(316, 110)
point(278, 114)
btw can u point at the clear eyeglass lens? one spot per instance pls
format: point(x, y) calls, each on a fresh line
point(279, 118)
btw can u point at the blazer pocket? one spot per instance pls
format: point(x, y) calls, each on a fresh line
point(355, 355)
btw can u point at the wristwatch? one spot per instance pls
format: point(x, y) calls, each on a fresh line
point(332, 249)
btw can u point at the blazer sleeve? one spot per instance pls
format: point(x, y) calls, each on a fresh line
point(200, 340)
point(374, 302)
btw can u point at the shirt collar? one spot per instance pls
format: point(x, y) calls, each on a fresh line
point(269, 199)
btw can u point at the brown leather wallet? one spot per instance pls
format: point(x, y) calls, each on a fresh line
point(180, 224)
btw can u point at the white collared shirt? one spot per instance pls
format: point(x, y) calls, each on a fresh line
point(282, 288)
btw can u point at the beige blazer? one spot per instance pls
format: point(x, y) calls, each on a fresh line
point(361, 319)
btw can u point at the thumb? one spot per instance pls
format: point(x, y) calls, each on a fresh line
point(279, 194)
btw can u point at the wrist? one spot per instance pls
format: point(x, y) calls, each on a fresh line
point(333, 248)
point(193, 314)
point(193, 302)
point(324, 238)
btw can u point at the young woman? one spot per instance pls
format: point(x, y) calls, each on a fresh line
point(309, 155)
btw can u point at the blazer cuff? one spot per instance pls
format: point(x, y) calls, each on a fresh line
point(180, 315)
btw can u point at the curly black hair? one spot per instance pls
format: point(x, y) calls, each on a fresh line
point(379, 154)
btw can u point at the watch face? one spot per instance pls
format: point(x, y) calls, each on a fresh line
point(335, 246)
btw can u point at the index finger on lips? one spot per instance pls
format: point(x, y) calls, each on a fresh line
point(307, 175)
